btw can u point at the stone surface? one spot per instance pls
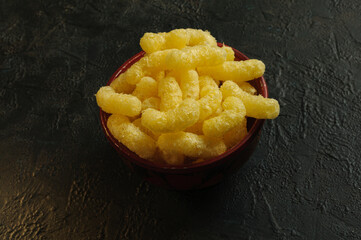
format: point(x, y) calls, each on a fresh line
point(60, 179)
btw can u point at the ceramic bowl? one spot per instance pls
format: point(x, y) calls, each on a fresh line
point(190, 176)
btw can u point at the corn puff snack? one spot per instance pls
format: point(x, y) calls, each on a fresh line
point(148, 65)
point(186, 100)
point(131, 136)
point(147, 87)
point(118, 103)
point(247, 87)
point(152, 102)
point(229, 52)
point(234, 113)
point(237, 71)
point(178, 38)
point(211, 97)
point(120, 85)
point(170, 93)
point(176, 119)
point(197, 56)
point(138, 123)
point(189, 84)
point(191, 145)
point(256, 106)
point(236, 134)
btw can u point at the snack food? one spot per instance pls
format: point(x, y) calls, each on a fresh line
point(152, 102)
point(186, 100)
point(118, 103)
point(211, 97)
point(189, 84)
point(131, 136)
point(237, 71)
point(234, 112)
point(191, 145)
point(147, 87)
point(169, 92)
point(177, 119)
point(192, 57)
point(256, 105)
point(177, 38)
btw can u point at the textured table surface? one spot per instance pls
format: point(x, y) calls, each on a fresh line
point(60, 179)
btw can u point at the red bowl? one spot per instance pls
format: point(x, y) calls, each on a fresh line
point(190, 176)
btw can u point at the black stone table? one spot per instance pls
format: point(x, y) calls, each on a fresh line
point(60, 179)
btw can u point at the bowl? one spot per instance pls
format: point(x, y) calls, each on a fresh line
point(197, 175)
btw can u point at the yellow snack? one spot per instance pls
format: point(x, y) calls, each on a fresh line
point(147, 87)
point(176, 119)
point(189, 57)
point(191, 145)
point(168, 105)
point(120, 85)
point(217, 112)
point(175, 74)
point(118, 103)
point(189, 84)
point(256, 105)
point(158, 75)
point(152, 42)
point(138, 123)
point(131, 136)
point(147, 65)
point(247, 87)
point(237, 71)
point(236, 134)
point(156, 61)
point(195, 128)
point(207, 81)
point(234, 112)
point(192, 57)
point(134, 73)
point(152, 102)
point(178, 38)
point(199, 37)
point(170, 93)
point(230, 53)
point(211, 97)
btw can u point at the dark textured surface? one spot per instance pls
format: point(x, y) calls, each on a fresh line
point(60, 179)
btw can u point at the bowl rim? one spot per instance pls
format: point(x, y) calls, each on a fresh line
point(191, 167)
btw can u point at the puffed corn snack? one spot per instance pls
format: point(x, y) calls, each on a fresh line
point(186, 100)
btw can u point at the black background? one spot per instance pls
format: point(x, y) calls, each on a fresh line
point(60, 179)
